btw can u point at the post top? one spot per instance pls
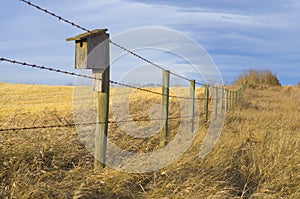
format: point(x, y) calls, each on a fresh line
point(87, 34)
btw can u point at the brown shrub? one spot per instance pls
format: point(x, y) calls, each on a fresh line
point(258, 78)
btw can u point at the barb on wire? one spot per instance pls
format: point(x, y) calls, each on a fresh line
point(38, 127)
point(149, 91)
point(155, 119)
point(55, 15)
point(47, 68)
point(146, 60)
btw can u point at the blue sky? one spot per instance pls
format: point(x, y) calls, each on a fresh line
point(237, 34)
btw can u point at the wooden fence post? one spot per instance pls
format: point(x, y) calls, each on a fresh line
point(192, 104)
point(165, 107)
point(234, 98)
point(231, 99)
point(206, 93)
point(101, 130)
point(222, 98)
point(103, 112)
point(226, 100)
point(88, 56)
point(215, 98)
point(102, 120)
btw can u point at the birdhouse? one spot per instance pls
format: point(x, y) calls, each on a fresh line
point(92, 50)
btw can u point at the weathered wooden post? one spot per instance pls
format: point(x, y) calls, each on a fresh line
point(226, 99)
point(206, 93)
point(234, 98)
point(165, 107)
point(231, 101)
point(216, 101)
point(92, 52)
point(222, 99)
point(192, 104)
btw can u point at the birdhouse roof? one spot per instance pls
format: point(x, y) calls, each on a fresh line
point(83, 36)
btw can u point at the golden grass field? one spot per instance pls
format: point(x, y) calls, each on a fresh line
point(257, 155)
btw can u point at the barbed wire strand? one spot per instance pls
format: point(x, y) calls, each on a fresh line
point(200, 84)
point(88, 77)
point(146, 60)
point(47, 68)
point(73, 125)
point(154, 92)
point(55, 15)
point(93, 78)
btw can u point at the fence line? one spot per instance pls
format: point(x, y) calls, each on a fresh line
point(164, 120)
point(229, 104)
point(231, 98)
point(102, 106)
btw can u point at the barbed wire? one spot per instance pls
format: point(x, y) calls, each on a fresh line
point(73, 125)
point(94, 78)
point(146, 60)
point(154, 92)
point(37, 127)
point(112, 42)
point(55, 15)
point(200, 84)
point(47, 68)
point(89, 77)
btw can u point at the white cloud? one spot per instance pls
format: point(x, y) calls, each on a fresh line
point(128, 15)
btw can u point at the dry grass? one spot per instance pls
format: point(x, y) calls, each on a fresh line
point(257, 155)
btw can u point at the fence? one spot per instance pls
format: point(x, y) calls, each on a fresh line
point(215, 96)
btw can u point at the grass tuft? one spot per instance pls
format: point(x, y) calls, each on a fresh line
point(258, 78)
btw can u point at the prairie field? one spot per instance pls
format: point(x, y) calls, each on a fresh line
point(256, 156)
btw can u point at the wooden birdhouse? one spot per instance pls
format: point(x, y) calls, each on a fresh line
point(92, 50)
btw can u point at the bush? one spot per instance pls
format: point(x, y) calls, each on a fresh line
point(258, 78)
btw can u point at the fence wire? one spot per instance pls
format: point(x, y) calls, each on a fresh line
point(73, 125)
point(88, 77)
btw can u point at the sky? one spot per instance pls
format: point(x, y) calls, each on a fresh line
point(238, 35)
